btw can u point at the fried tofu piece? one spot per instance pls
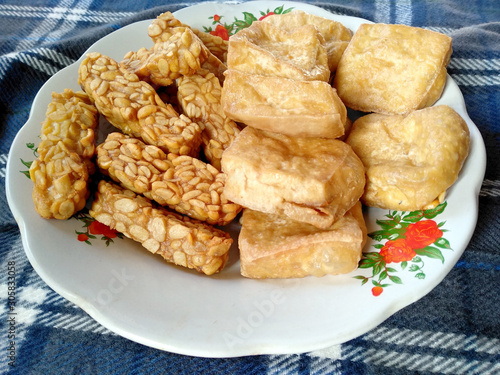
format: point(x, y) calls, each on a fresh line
point(336, 35)
point(410, 160)
point(273, 246)
point(282, 105)
point(266, 49)
point(393, 69)
point(312, 180)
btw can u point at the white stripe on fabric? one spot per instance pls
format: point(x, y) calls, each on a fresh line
point(34, 62)
point(50, 27)
point(448, 341)
point(332, 352)
point(475, 64)
point(279, 364)
point(414, 361)
point(404, 13)
point(490, 188)
point(476, 80)
point(382, 11)
point(77, 322)
point(61, 12)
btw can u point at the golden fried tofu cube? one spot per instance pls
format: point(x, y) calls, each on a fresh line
point(268, 50)
point(336, 35)
point(282, 105)
point(313, 180)
point(273, 246)
point(393, 68)
point(410, 160)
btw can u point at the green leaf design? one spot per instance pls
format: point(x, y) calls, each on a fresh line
point(433, 212)
point(443, 243)
point(383, 275)
point(420, 275)
point(374, 256)
point(414, 268)
point(366, 263)
point(413, 216)
point(249, 18)
point(430, 252)
point(395, 279)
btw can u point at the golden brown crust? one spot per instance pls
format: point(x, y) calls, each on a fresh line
point(282, 105)
point(61, 171)
point(273, 246)
point(200, 99)
point(134, 107)
point(183, 183)
point(336, 35)
point(178, 239)
point(267, 50)
point(410, 160)
point(314, 180)
point(393, 68)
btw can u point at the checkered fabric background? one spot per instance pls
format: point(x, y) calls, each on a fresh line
point(455, 329)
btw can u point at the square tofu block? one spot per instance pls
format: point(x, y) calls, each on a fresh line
point(393, 68)
point(336, 35)
point(282, 105)
point(268, 50)
point(313, 180)
point(273, 246)
point(410, 160)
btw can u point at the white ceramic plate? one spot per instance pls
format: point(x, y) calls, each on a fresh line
point(138, 296)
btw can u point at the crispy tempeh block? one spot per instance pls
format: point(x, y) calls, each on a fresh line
point(134, 107)
point(200, 98)
point(63, 165)
point(182, 53)
point(161, 28)
point(178, 239)
point(183, 183)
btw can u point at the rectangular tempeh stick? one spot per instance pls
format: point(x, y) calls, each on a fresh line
point(178, 239)
point(183, 183)
point(134, 107)
point(61, 171)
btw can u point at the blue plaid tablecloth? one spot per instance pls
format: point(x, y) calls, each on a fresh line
point(455, 329)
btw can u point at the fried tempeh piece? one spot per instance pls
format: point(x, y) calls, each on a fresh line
point(183, 183)
point(200, 98)
point(134, 107)
point(182, 53)
point(178, 239)
point(161, 29)
point(178, 50)
point(62, 168)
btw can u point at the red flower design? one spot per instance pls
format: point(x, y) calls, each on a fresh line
point(216, 18)
point(397, 251)
point(422, 234)
point(99, 228)
point(377, 290)
point(82, 237)
point(220, 31)
point(266, 15)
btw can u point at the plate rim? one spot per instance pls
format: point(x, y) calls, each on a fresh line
point(90, 309)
